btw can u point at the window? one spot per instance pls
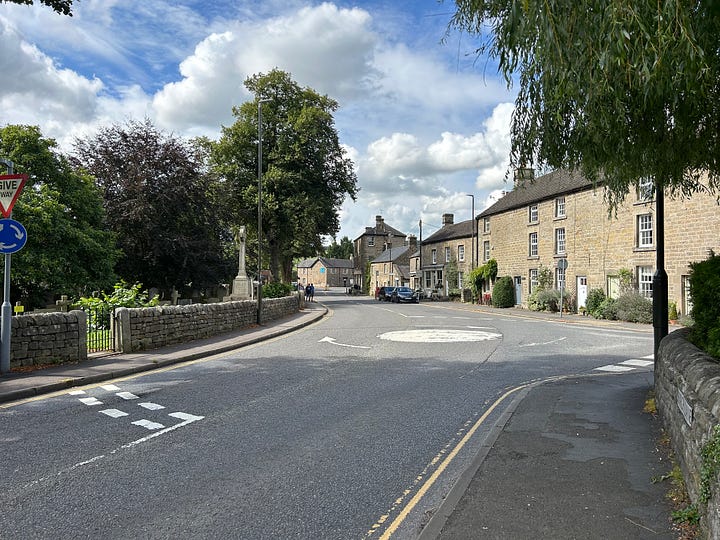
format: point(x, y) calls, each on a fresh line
point(486, 250)
point(385, 268)
point(486, 225)
point(644, 230)
point(559, 278)
point(434, 256)
point(428, 280)
point(645, 189)
point(533, 245)
point(533, 279)
point(461, 252)
point(559, 241)
point(447, 254)
point(371, 241)
point(645, 279)
point(533, 213)
point(460, 280)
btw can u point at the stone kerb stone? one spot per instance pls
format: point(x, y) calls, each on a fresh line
point(687, 393)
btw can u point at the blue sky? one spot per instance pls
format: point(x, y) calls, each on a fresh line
point(425, 121)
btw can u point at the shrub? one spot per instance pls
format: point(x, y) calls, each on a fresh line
point(672, 311)
point(634, 307)
point(607, 310)
point(277, 290)
point(594, 299)
point(503, 294)
point(705, 292)
point(547, 300)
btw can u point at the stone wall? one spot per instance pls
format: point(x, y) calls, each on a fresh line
point(48, 338)
point(151, 328)
point(687, 394)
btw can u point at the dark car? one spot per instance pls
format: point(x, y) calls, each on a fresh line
point(385, 293)
point(405, 294)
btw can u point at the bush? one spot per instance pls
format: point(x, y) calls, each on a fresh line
point(634, 307)
point(277, 290)
point(606, 310)
point(594, 299)
point(503, 294)
point(547, 300)
point(705, 293)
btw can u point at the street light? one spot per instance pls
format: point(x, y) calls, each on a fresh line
point(259, 178)
point(472, 247)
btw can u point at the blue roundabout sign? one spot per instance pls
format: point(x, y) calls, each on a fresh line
point(13, 236)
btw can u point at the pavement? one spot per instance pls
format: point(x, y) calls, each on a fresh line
point(570, 458)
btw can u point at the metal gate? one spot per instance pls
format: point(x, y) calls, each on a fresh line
point(100, 329)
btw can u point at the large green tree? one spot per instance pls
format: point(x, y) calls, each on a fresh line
point(63, 7)
point(305, 172)
point(162, 203)
point(69, 250)
point(343, 250)
point(619, 90)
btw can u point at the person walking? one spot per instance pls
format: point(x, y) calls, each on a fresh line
point(312, 292)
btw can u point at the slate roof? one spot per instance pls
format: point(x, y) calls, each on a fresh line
point(464, 229)
point(548, 186)
point(385, 255)
point(372, 231)
point(326, 262)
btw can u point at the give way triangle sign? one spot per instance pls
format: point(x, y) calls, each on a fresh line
point(10, 187)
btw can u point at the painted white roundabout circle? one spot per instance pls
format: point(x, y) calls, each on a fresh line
point(439, 335)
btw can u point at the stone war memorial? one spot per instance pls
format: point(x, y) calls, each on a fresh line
point(241, 286)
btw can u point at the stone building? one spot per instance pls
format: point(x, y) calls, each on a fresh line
point(324, 272)
point(372, 243)
point(561, 216)
point(451, 243)
point(392, 266)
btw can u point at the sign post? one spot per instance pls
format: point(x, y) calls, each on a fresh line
point(12, 238)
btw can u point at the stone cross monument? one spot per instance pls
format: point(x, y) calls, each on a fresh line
point(241, 286)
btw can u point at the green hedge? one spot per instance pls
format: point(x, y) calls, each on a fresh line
point(705, 293)
point(503, 294)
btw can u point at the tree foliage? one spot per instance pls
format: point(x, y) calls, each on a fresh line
point(64, 7)
point(618, 90)
point(68, 250)
point(343, 250)
point(305, 172)
point(162, 204)
point(503, 294)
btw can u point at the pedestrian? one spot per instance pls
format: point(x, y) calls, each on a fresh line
point(312, 292)
point(307, 292)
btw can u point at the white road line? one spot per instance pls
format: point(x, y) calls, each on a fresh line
point(543, 343)
point(637, 363)
point(91, 401)
point(186, 417)
point(151, 406)
point(76, 393)
point(613, 368)
point(158, 433)
point(147, 424)
point(649, 357)
point(126, 395)
point(114, 413)
point(110, 387)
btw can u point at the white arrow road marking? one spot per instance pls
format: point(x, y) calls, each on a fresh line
point(328, 339)
point(543, 343)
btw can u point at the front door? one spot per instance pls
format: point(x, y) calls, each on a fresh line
point(582, 291)
point(518, 290)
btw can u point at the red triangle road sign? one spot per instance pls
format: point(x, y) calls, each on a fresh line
point(10, 187)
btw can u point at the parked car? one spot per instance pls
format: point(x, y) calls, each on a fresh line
point(405, 294)
point(385, 293)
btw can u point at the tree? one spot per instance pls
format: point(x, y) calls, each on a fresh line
point(306, 174)
point(63, 7)
point(343, 250)
point(619, 90)
point(69, 250)
point(163, 205)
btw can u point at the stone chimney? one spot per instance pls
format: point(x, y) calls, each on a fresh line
point(379, 224)
point(448, 219)
point(523, 175)
point(412, 242)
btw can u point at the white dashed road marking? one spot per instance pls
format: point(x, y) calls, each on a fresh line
point(114, 413)
point(126, 395)
point(147, 424)
point(614, 368)
point(151, 406)
point(91, 401)
point(637, 363)
point(110, 387)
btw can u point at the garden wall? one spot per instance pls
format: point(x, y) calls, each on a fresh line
point(48, 338)
point(150, 328)
point(687, 394)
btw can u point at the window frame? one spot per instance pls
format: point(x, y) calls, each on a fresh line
point(560, 244)
point(486, 250)
point(486, 224)
point(461, 252)
point(644, 232)
point(560, 208)
point(433, 253)
point(533, 210)
point(448, 254)
point(533, 247)
point(644, 276)
point(533, 279)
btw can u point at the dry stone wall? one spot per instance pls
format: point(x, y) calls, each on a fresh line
point(687, 394)
point(48, 338)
